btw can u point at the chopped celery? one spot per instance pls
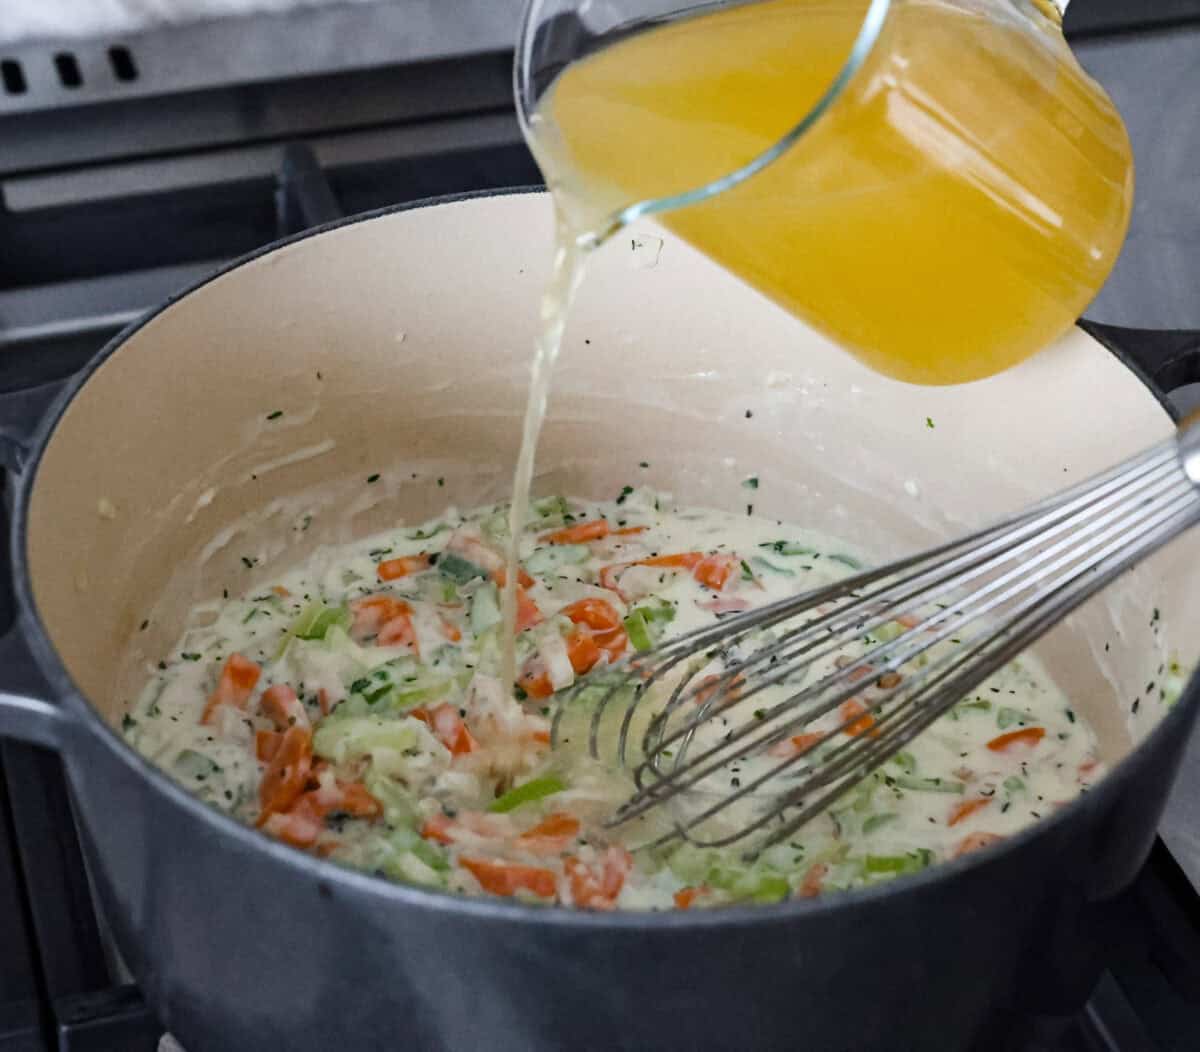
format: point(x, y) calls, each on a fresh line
point(888, 631)
point(875, 821)
point(928, 785)
point(1006, 717)
point(527, 793)
point(1014, 784)
point(964, 708)
point(396, 801)
point(766, 564)
point(408, 839)
point(906, 761)
point(555, 557)
point(755, 882)
point(638, 630)
point(192, 766)
point(348, 739)
point(788, 548)
point(458, 569)
point(433, 531)
point(657, 610)
point(550, 506)
point(485, 609)
point(846, 560)
point(896, 864)
point(449, 590)
point(313, 623)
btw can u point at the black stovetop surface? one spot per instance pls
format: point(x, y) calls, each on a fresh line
point(98, 223)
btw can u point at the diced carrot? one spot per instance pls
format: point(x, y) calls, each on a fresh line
point(680, 561)
point(236, 683)
point(1025, 736)
point(438, 827)
point(598, 614)
point(285, 776)
point(851, 708)
point(579, 533)
point(975, 842)
point(372, 612)
point(964, 810)
point(583, 651)
point(598, 890)
point(301, 826)
point(354, 799)
point(398, 630)
point(528, 613)
point(630, 531)
point(686, 897)
point(535, 679)
point(602, 618)
point(814, 878)
point(551, 835)
point(541, 737)
point(523, 579)
point(507, 878)
point(404, 566)
point(709, 685)
point(281, 706)
point(610, 577)
point(714, 571)
point(794, 745)
point(280, 591)
point(449, 629)
point(266, 744)
point(448, 727)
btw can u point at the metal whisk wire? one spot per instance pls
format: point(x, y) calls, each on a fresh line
point(992, 593)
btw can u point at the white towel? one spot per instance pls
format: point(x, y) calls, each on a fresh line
point(65, 19)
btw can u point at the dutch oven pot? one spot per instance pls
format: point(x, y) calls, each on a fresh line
point(399, 344)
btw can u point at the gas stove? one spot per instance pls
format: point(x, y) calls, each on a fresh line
point(132, 167)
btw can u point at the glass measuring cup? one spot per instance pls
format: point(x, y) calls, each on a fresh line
point(934, 184)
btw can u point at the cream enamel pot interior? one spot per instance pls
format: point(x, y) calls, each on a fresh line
point(400, 344)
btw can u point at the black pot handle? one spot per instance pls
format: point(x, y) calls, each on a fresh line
point(1168, 359)
point(24, 714)
point(20, 413)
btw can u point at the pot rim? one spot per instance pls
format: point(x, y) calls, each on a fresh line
point(492, 909)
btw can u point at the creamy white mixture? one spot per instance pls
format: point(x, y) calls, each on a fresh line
point(355, 710)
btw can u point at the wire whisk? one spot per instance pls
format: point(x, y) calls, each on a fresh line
point(772, 693)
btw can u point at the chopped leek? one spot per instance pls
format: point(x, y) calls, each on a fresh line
point(526, 793)
point(485, 609)
point(766, 564)
point(554, 557)
point(875, 821)
point(458, 569)
point(928, 785)
point(896, 864)
point(788, 548)
point(638, 630)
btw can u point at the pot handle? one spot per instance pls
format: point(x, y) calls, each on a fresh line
point(1167, 358)
point(20, 413)
point(23, 715)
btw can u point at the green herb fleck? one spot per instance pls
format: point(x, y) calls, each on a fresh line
point(625, 491)
point(372, 478)
point(929, 422)
point(190, 656)
point(751, 482)
point(275, 415)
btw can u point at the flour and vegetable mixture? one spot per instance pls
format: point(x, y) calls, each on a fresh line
point(355, 710)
